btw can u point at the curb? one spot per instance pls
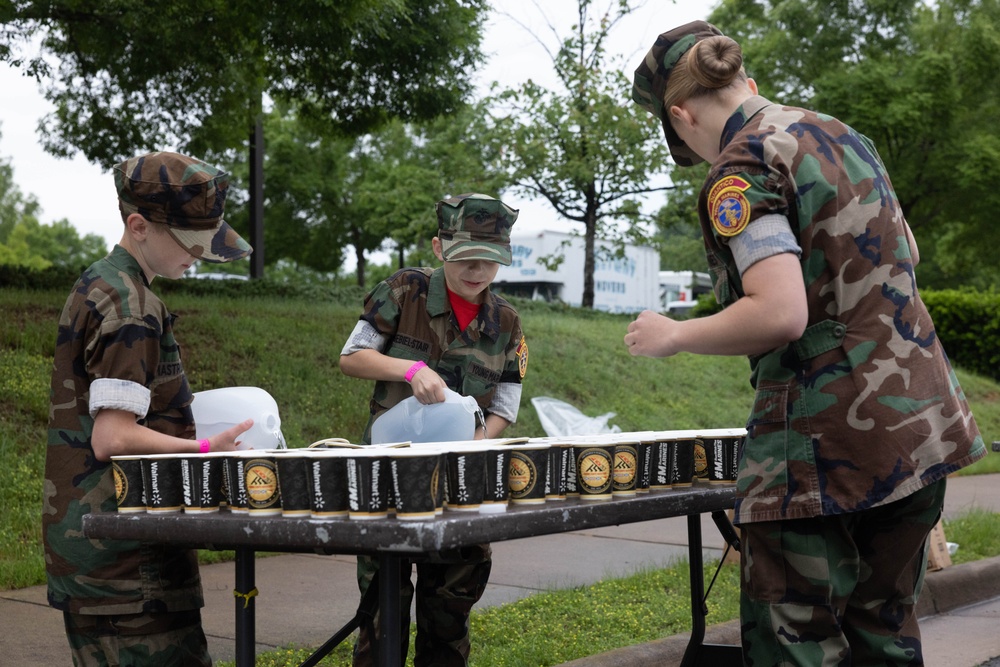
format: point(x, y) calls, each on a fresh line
point(944, 590)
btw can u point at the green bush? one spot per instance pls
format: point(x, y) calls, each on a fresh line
point(968, 324)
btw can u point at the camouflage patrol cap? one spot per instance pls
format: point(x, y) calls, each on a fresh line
point(651, 76)
point(474, 226)
point(185, 194)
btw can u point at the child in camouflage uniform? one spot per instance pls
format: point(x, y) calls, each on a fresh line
point(858, 417)
point(423, 330)
point(118, 387)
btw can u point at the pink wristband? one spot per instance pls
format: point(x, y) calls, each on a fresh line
point(204, 446)
point(413, 370)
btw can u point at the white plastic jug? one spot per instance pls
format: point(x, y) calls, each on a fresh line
point(409, 420)
point(218, 409)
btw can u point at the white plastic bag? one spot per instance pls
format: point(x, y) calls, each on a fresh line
point(409, 420)
point(561, 419)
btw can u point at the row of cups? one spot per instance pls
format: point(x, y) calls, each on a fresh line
point(333, 478)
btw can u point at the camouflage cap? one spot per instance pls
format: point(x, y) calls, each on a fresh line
point(474, 226)
point(651, 76)
point(185, 194)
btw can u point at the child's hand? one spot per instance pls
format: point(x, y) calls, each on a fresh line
point(428, 386)
point(226, 441)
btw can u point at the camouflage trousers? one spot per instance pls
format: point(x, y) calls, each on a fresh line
point(137, 640)
point(448, 584)
point(838, 590)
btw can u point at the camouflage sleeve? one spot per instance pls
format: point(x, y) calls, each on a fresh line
point(764, 237)
point(125, 348)
point(381, 308)
point(114, 394)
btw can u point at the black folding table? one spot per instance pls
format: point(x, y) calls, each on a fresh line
point(390, 540)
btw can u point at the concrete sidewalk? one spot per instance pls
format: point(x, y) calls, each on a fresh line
point(303, 599)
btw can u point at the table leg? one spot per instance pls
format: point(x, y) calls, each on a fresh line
point(698, 610)
point(246, 631)
point(388, 605)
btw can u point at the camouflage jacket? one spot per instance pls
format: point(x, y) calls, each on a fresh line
point(864, 409)
point(412, 310)
point(112, 326)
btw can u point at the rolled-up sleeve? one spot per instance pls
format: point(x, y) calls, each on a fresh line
point(506, 401)
point(112, 394)
point(364, 337)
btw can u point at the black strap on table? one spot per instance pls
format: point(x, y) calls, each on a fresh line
point(727, 529)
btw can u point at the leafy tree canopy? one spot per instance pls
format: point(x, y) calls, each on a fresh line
point(919, 79)
point(24, 241)
point(127, 76)
point(326, 192)
point(584, 148)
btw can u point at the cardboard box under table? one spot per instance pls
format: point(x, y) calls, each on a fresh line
point(390, 540)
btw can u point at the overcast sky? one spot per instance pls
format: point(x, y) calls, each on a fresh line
point(84, 193)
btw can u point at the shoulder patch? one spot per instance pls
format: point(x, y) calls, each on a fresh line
point(522, 356)
point(728, 207)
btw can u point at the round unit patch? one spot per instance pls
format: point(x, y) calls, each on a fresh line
point(728, 206)
point(522, 356)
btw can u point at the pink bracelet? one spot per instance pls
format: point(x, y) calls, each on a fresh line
point(204, 446)
point(413, 370)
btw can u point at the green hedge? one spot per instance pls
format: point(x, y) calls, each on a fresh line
point(968, 324)
point(56, 278)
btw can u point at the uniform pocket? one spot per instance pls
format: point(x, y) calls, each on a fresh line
point(763, 470)
point(770, 410)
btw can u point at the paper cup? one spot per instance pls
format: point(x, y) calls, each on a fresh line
point(367, 484)
point(659, 464)
point(235, 483)
point(294, 485)
point(720, 448)
point(682, 461)
point(528, 473)
point(161, 482)
point(496, 491)
point(201, 482)
point(466, 480)
point(594, 469)
point(260, 477)
point(626, 468)
point(328, 479)
point(129, 491)
point(415, 481)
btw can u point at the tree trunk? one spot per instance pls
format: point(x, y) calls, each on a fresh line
point(257, 195)
point(359, 257)
point(588, 258)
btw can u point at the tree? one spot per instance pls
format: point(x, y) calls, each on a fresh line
point(39, 246)
point(408, 168)
point(136, 76)
point(586, 149)
point(24, 241)
point(14, 205)
point(329, 191)
point(919, 79)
